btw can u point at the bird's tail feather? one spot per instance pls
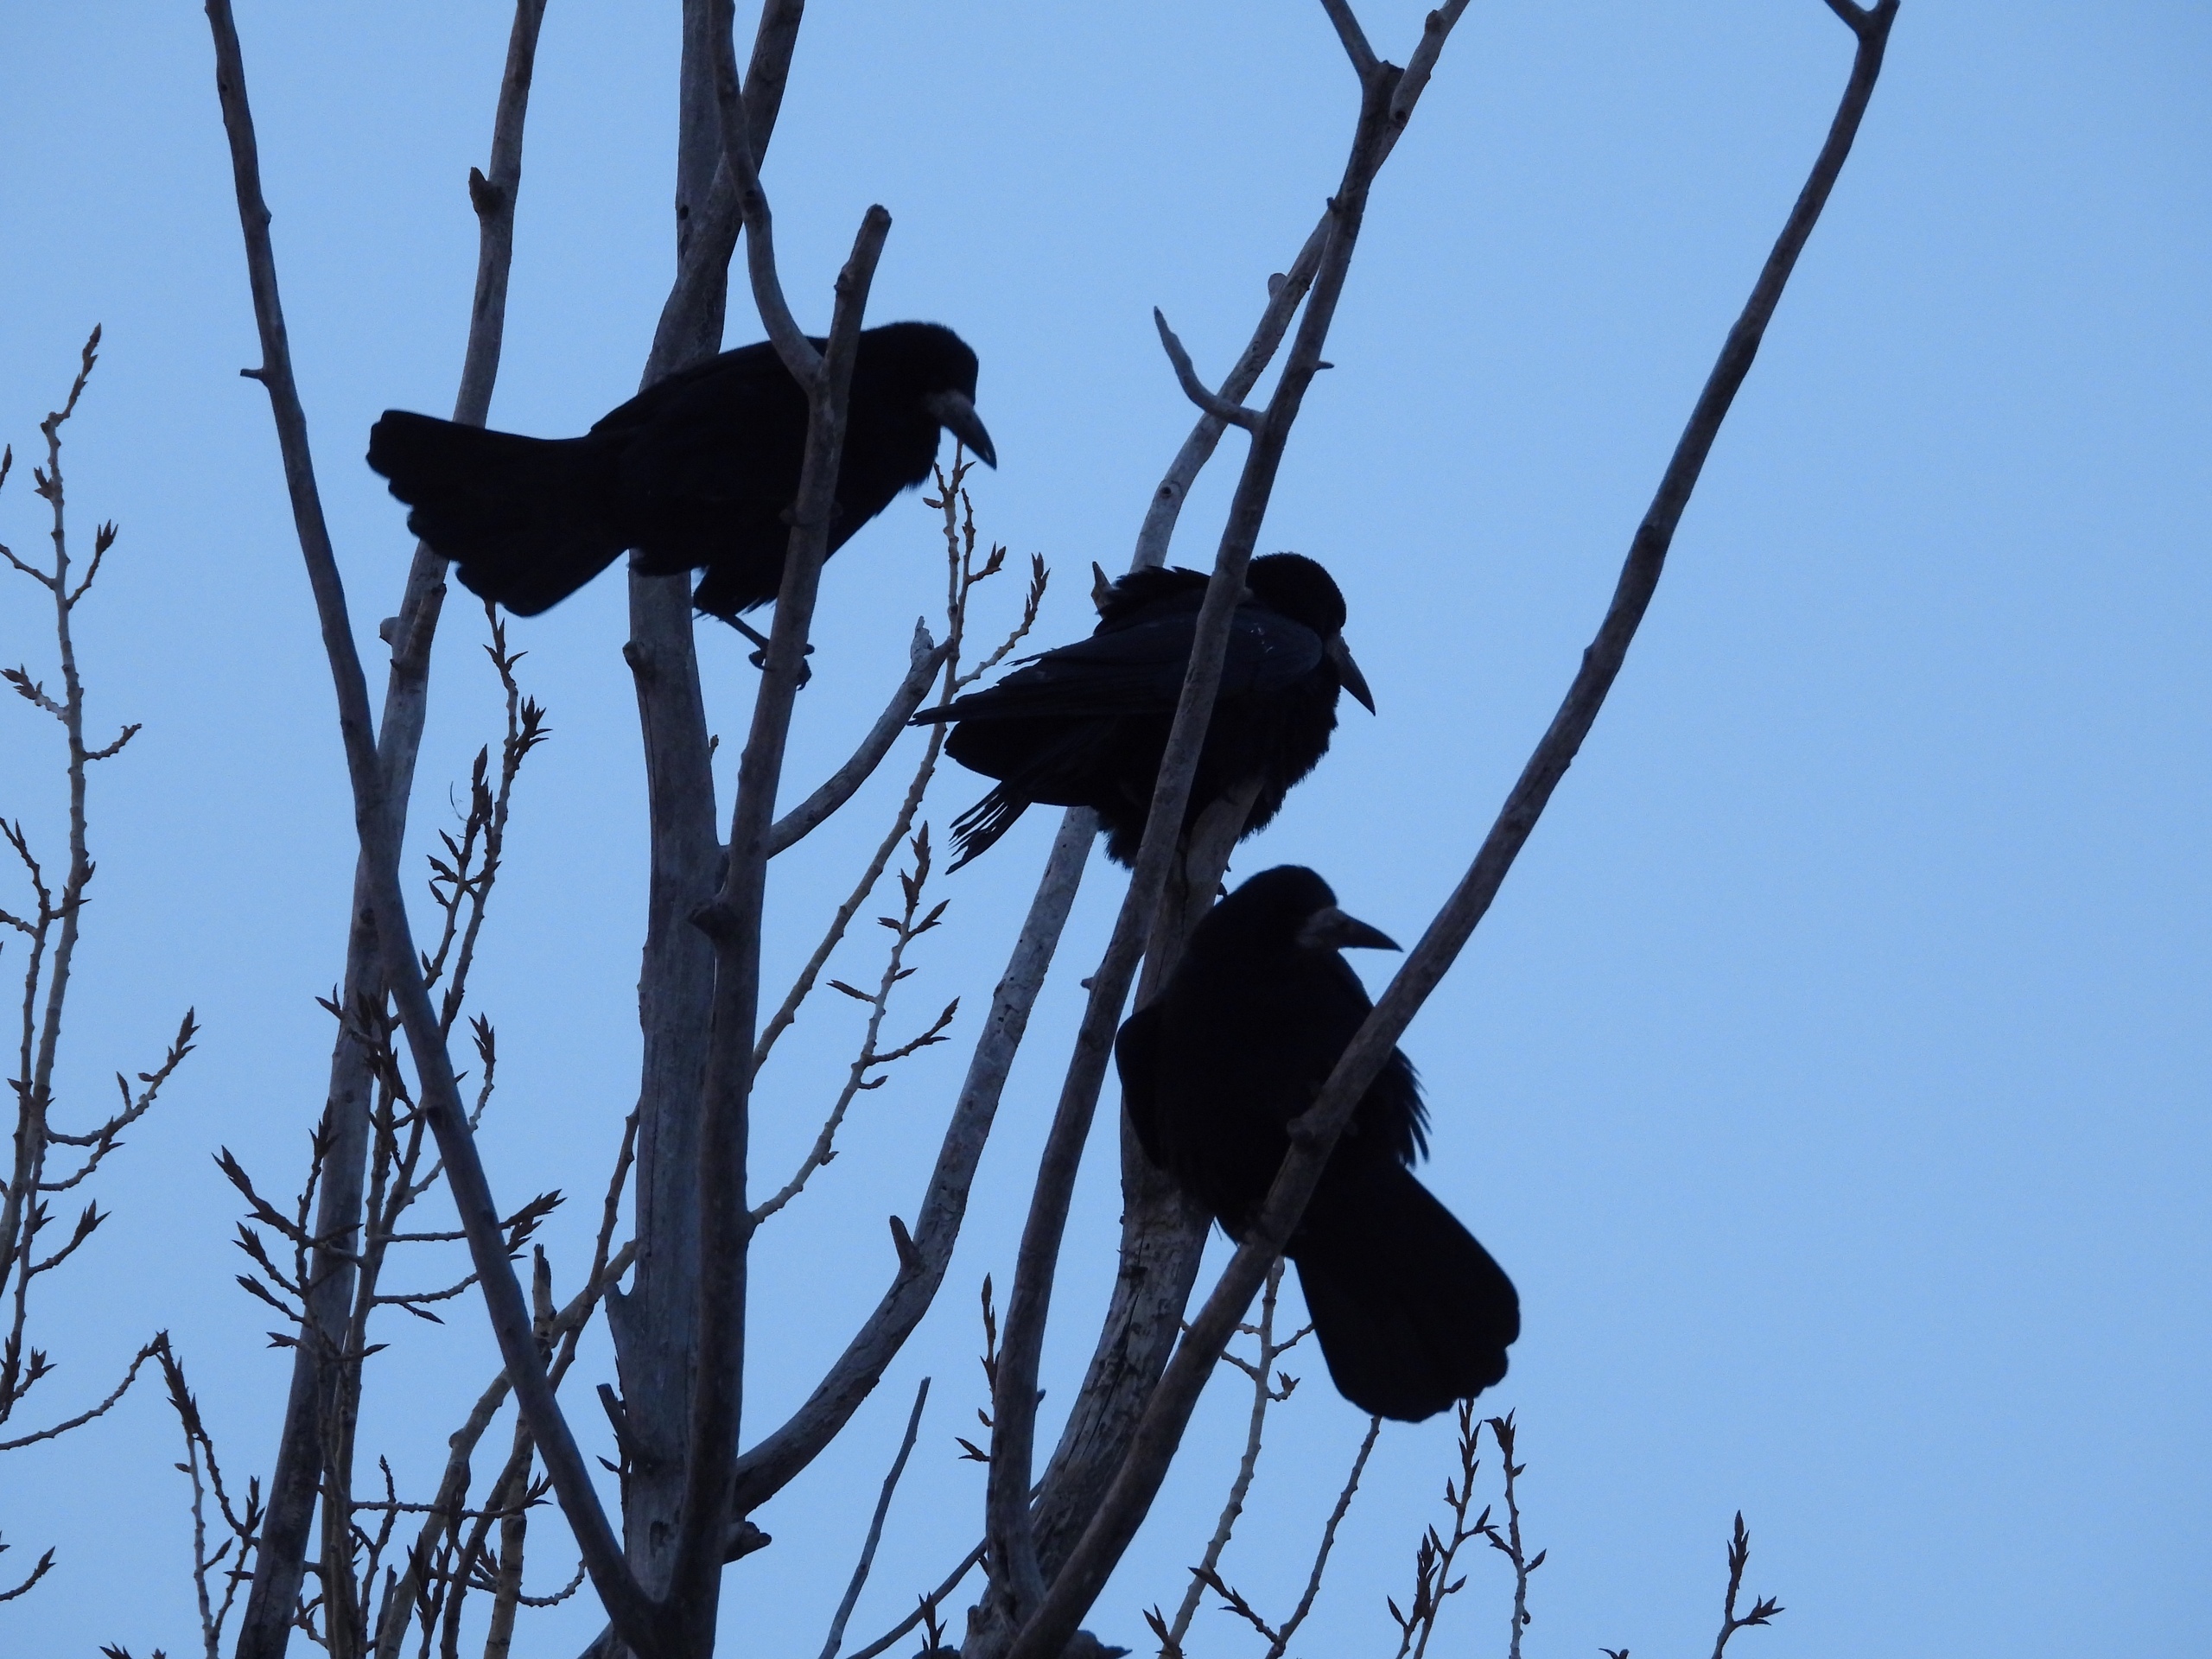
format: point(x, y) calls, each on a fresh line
point(527, 521)
point(1411, 1312)
point(975, 831)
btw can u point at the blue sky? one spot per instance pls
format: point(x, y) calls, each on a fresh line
point(1831, 1075)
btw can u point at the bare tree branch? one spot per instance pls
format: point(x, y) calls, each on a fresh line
point(1015, 1565)
point(1353, 36)
point(44, 1566)
point(928, 1605)
point(1281, 1643)
point(836, 1637)
point(445, 1510)
point(157, 1345)
point(472, 1197)
point(1263, 1394)
point(961, 579)
point(925, 658)
point(772, 1463)
point(905, 930)
point(266, 1624)
point(1435, 30)
point(652, 1323)
point(1739, 1553)
point(1508, 1545)
point(791, 344)
point(1314, 1135)
point(1221, 408)
point(1435, 1554)
point(732, 921)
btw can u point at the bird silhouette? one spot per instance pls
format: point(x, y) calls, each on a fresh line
point(698, 471)
point(1085, 725)
point(1411, 1312)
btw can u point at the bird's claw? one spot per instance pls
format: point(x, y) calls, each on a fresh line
point(759, 658)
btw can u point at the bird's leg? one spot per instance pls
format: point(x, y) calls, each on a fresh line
point(759, 658)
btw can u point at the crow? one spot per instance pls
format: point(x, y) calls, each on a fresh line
point(697, 470)
point(1085, 725)
point(1412, 1312)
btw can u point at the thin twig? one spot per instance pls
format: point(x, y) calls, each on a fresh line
point(1434, 1555)
point(1263, 1394)
point(924, 657)
point(115, 1394)
point(836, 1635)
point(1510, 1545)
point(962, 577)
point(929, 1605)
point(906, 929)
point(446, 1509)
point(1328, 1540)
point(1221, 408)
point(782, 1453)
point(1763, 1609)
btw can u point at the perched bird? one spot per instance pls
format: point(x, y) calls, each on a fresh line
point(1085, 725)
point(697, 472)
point(1412, 1312)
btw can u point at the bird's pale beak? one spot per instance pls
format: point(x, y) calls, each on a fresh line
point(955, 413)
point(1354, 681)
point(1330, 929)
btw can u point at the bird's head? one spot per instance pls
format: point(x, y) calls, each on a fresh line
point(1293, 905)
point(1298, 588)
point(935, 366)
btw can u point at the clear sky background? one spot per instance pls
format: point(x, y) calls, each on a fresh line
point(1832, 1074)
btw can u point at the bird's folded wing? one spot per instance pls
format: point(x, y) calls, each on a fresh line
point(1136, 1057)
point(1139, 669)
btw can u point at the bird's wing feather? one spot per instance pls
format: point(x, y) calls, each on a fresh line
point(711, 432)
point(1138, 669)
point(1392, 1106)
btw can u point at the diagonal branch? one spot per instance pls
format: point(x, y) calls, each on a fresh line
point(1353, 36)
point(928, 1605)
point(1315, 1134)
point(1161, 1236)
point(1328, 1541)
point(771, 1464)
point(1015, 1564)
point(294, 1481)
point(837, 1638)
point(159, 1345)
point(791, 344)
point(802, 820)
point(1221, 408)
point(374, 821)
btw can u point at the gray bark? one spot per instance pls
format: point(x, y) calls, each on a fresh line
point(653, 1323)
point(265, 1625)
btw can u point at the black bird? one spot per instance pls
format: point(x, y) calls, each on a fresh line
point(698, 471)
point(1411, 1312)
point(1085, 725)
